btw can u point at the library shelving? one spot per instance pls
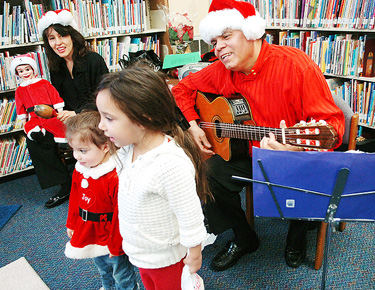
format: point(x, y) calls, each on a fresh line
point(113, 28)
point(339, 36)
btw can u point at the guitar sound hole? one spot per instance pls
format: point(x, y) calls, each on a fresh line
point(218, 128)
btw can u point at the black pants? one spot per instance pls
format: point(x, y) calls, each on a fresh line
point(48, 166)
point(226, 212)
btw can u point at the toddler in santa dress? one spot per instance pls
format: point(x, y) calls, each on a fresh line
point(36, 91)
point(92, 223)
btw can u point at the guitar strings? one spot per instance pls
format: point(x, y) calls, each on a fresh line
point(246, 129)
point(241, 131)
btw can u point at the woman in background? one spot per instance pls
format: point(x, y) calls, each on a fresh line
point(75, 72)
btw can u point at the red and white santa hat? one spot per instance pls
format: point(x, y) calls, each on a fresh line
point(62, 16)
point(22, 60)
point(236, 15)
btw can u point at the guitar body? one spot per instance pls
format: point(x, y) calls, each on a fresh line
point(217, 109)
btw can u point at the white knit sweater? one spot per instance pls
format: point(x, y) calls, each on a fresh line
point(160, 213)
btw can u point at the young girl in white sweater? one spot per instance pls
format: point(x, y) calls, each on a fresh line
point(161, 178)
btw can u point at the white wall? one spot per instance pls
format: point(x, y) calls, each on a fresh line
point(196, 8)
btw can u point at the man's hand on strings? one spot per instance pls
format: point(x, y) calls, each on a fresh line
point(200, 138)
point(272, 144)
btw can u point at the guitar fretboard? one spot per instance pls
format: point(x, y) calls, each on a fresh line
point(239, 131)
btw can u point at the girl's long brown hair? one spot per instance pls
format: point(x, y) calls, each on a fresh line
point(145, 98)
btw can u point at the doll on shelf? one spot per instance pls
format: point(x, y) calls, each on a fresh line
point(33, 92)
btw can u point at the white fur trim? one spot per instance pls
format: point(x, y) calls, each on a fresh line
point(29, 82)
point(215, 23)
point(254, 27)
point(22, 116)
point(60, 140)
point(98, 171)
point(59, 106)
point(35, 129)
point(64, 18)
point(89, 251)
point(22, 60)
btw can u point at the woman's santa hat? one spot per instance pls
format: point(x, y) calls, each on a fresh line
point(62, 16)
point(236, 15)
point(23, 60)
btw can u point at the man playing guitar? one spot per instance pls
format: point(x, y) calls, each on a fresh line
point(282, 86)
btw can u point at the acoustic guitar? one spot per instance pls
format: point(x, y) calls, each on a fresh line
point(228, 124)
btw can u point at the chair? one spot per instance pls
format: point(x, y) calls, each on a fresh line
point(65, 154)
point(351, 130)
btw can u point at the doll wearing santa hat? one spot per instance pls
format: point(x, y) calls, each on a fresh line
point(36, 91)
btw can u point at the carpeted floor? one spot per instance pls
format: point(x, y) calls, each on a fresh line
point(6, 213)
point(39, 235)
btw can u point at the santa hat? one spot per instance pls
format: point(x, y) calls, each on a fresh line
point(62, 16)
point(22, 60)
point(236, 15)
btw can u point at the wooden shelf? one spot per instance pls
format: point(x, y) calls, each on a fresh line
point(11, 132)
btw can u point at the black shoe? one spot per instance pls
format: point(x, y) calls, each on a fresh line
point(231, 253)
point(61, 196)
point(294, 258)
point(296, 241)
point(37, 136)
point(56, 200)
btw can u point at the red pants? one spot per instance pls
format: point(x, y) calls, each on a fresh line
point(167, 278)
point(52, 125)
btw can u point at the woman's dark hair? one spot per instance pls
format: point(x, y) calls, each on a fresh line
point(144, 96)
point(79, 45)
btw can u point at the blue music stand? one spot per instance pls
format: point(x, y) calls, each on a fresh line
point(315, 186)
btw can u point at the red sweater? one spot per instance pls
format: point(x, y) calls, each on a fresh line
point(95, 190)
point(285, 84)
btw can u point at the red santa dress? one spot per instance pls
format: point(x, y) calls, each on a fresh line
point(93, 212)
point(39, 92)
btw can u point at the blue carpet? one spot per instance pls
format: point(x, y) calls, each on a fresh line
point(39, 234)
point(6, 213)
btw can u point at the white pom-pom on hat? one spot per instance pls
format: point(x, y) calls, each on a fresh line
point(236, 15)
point(63, 17)
point(22, 60)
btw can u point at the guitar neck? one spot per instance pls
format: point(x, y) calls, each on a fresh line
point(308, 136)
point(246, 132)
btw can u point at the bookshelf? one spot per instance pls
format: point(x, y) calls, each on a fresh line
point(339, 36)
point(112, 28)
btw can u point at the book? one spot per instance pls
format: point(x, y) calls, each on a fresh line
point(8, 158)
point(368, 58)
point(324, 55)
point(4, 156)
